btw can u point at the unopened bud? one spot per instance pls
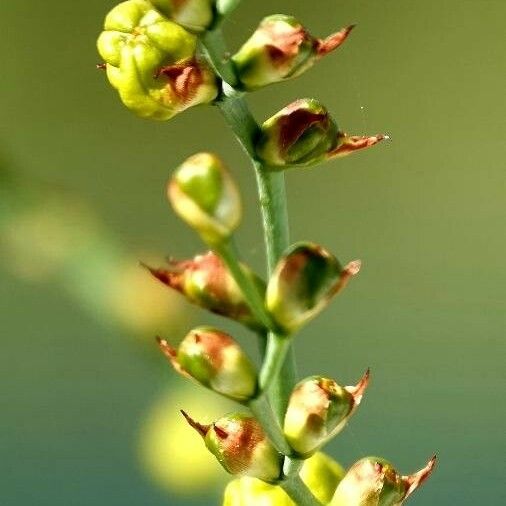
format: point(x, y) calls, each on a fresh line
point(304, 281)
point(374, 482)
point(302, 134)
point(204, 195)
point(206, 282)
point(281, 49)
point(194, 15)
point(241, 446)
point(318, 410)
point(215, 360)
point(151, 61)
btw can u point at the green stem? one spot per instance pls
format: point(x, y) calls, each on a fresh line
point(262, 410)
point(293, 484)
point(228, 253)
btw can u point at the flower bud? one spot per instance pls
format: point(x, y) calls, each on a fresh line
point(302, 134)
point(215, 360)
point(241, 447)
point(374, 482)
point(281, 49)
point(194, 15)
point(320, 473)
point(303, 282)
point(204, 195)
point(206, 282)
point(151, 61)
point(318, 410)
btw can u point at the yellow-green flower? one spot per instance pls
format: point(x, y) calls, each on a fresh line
point(280, 49)
point(304, 281)
point(241, 446)
point(203, 193)
point(373, 481)
point(318, 410)
point(206, 282)
point(215, 360)
point(151, 61)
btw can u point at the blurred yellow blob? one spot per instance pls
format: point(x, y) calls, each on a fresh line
point(320, 473)
point(140, 303)
point(172, 453)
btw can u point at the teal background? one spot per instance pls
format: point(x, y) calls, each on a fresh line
point(425, 213)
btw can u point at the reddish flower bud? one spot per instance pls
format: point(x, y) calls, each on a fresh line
point(241, 446)
point(215, 360)
point(206, 282)
point(302, 134)
point(374, 482)
point(304, 281)
point(281, 49)
point(318, 410)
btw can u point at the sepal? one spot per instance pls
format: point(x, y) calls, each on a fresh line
point(194, 15)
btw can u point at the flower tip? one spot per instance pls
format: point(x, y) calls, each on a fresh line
point(358, 390)
point(201, 429)
point(101, 66)
point(327, 45)
point(415, 480)
point(222, 434)
point(353, 268)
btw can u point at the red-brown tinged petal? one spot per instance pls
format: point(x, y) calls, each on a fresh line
point(415, 480)
point(348, 144)
point(358, 390)
point(201, 429)
point(325, 46)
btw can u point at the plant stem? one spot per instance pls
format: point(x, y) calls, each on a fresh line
point(228, 253)
point(278, 371)
point(262, 410)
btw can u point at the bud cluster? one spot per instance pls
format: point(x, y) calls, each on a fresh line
point(152, 61)
point(164, 56)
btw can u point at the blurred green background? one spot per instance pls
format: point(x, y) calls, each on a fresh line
point(81, 381)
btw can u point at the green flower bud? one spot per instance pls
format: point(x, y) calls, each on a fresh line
point(204, 195)
point(374, 482)
point(151, 61)
point(194, 15)
point(215, 360)
point(281, 49)
point(320, 473)
point(303, 134)
point(303, 283)
point(241, 446)
point(206, 282)
point(318, 410)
